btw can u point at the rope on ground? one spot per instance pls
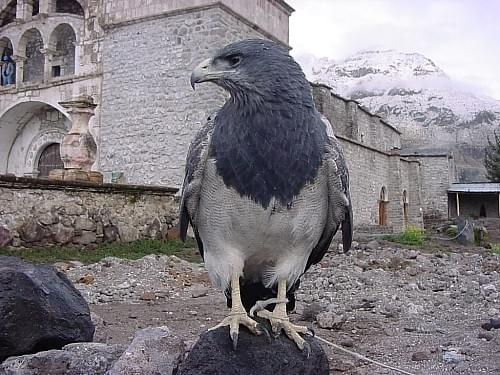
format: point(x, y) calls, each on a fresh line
point(362, 357)
point(458, 235)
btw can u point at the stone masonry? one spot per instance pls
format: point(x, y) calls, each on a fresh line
point(42, 212)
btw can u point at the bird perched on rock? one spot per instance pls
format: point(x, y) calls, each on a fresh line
point(266, 185)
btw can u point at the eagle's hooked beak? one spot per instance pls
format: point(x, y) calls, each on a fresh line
point(202, 73)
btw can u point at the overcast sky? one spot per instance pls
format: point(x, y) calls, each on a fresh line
point(462, 37)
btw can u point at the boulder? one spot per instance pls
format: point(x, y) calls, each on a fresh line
point(32, 231)
point(152, 351)
point(255, 355)
point(73, 359)
point(39, 309)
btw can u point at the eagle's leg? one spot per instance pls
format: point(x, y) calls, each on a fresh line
point(238, 315)
point(280, 321)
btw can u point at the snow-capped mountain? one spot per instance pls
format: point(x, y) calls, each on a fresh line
point(412, 93)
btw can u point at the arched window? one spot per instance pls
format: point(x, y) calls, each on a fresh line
point(69, 6)
point(8, 15)
point(7, 65)
point(63, 40)
point(33, 66)
point(382, 215)
point(50, 159)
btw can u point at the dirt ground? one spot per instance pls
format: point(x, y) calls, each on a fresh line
point(420, 310)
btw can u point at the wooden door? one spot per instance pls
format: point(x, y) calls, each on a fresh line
point(381, 212)
point(50, 159)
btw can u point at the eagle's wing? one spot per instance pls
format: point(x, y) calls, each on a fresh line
point(191, 189)
point(338, 200)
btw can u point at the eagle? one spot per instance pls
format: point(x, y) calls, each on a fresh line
point(266, 185)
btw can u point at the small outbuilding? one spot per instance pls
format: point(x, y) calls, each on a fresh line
point(478, 199)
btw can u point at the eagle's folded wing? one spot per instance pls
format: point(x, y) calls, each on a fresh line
point(191, 188)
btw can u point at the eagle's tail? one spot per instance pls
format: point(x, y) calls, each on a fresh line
point(253, 292)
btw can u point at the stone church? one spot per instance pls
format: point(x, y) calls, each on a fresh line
point(134, 58)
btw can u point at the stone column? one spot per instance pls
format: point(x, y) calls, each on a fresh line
point(47, 6)
point(78, 148)
point(24, 10)
point(47, 67)
point(19, 60)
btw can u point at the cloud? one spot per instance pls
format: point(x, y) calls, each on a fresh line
point(460, 36)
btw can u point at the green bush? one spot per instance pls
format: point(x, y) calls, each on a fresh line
point(451, 231)
point(412, 235)
point(495, 248)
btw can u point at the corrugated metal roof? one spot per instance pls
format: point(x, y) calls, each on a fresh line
point(476, 187)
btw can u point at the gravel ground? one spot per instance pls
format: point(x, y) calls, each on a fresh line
point(418, 310)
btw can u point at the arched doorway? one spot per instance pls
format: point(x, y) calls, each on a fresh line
point(26, 130)
point(405, 208)
point(382, 203)
point(50, 158)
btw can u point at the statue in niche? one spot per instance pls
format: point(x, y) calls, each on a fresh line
point(8, 71)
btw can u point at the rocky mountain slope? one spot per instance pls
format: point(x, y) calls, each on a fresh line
point(434, 112)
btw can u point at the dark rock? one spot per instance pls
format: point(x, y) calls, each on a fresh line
point(32, 231)
point(80, 358)
point(492, 324)
point(85, 238)
point(152, 351)
point(485, 336)
point(255, 355)
point(420, 356)
point(110, 233)
point(39, 309)
point(311, 312)
point(5, 237)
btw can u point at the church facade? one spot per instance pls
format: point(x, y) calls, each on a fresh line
point(134, 59)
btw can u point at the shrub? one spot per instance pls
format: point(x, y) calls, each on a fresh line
point(411, 235)
point(495, 248)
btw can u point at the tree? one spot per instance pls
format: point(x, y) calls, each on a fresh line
point(492, 159)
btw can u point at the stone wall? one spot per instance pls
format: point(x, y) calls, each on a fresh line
point(437, 174)
point(149, 111)
point(370, 171)
point(269, 16)
point(36, 212)
point(355, 122)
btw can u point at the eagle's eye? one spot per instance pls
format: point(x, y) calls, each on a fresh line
point(234, 60)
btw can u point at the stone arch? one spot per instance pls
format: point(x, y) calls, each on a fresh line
point(8, 14)
point(62, 42)
point(382, 206)
point(6, 48)
point(30, 47)
point(12, 122)
point(70, 6)
point(37, 146)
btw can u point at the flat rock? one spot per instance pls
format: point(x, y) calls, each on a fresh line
point(73, 359)
point(152, 351)
point(213, 354)
point(39, 309)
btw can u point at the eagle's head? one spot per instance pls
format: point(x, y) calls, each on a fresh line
point(254, 68)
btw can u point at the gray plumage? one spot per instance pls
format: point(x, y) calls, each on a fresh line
point(266, 185)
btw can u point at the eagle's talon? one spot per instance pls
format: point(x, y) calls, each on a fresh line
point(262, 328)
point(234, 339)
point(311, 331)
point(306, 349)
